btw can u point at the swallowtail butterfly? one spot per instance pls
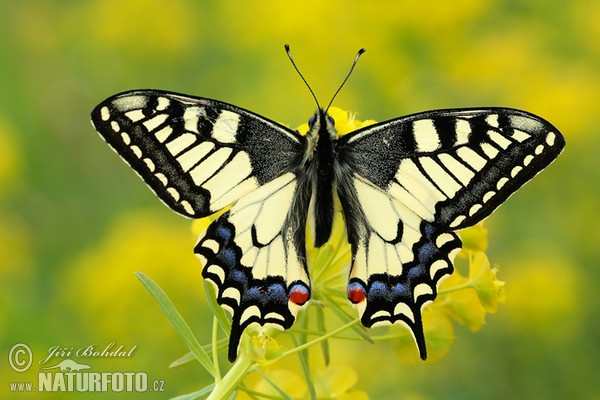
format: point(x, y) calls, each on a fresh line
point(405, 186)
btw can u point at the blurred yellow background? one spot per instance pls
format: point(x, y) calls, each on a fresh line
point(75, 223)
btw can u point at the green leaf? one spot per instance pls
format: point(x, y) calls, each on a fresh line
point(322, 328)
point(196, 395)
point(216, 309)
point(187, 358)
point(303, 356)
point(178, 322)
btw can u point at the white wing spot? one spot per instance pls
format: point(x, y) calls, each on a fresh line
point(422, 289)
point(104, 113)
point(174, 193)
point(191, 116)
point(515, 171)
point(520, 136)
point(216, 270)
point(457, 221)
point(492, 120)
point(501, 182)
point(162, 178)
point(550, 138)
point(125, 138)
point(463, 131)
point(453, 254)
point(232, 293)
point(443, 239)
point(202, 260)
point(381, 313)
point(473, 210)
point(226, 126)
point(137, 151)
point(150, 164)
point(274, 315)
point(539, 149)
point(426, 135)
point(252, 311)
point(135, 115)
point(115, 126)
point(163, 103)
point(187, 207)
point(212, 245)
point(437, 265)
point(527, 160)
point(404, 309)
point(488, 196)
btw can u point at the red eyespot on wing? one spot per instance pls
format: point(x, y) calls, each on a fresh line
point(356, 293)
point(299, 295)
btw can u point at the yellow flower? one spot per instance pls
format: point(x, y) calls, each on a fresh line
point(483, 278)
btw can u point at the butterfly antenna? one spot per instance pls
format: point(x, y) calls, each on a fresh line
point(289, 54)
point(358, 54)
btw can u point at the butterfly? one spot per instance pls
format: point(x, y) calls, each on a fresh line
point(405, 187)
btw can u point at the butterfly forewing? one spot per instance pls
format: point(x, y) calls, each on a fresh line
point(406, 184)
point(198, 155)
point(453, 167)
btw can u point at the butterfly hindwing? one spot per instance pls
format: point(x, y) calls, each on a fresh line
point(398, 259)
point(255, 257)
point(198, 155)
point(407, 184)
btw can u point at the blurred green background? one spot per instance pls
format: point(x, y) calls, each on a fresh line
point(75, 223)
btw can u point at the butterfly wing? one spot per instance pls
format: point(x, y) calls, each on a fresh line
point(254, 254)
point(407, 184)
point(199, 156)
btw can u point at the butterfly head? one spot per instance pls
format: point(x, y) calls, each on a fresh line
point(320, 120)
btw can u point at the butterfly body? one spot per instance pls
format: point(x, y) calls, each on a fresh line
point(405, 186)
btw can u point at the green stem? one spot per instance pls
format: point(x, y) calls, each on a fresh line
point(321, 338)
point(215, 350)
point(232, 379)
point(467, 285)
